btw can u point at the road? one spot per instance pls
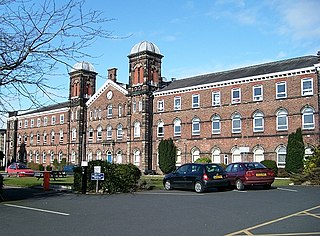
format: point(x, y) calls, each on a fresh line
point(292, 210)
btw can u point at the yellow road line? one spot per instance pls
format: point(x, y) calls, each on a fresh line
point(271, 222)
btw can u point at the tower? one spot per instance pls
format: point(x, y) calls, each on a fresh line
point(144, 78)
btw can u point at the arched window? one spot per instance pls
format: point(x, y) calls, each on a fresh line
point(44, 158)
point(178, 161)
point(109, 132)
point(216, 124)
point(60, 156)
point(136, 157)
point(160, 129)
point(196, 126)
point(258, 122)
point(44, 138)
point(73, 134)
point(282, 119)
point(281, 156)
point(136, 131)
point(99, 133)
point(51, 157)
point(61, 136)
point(236, 123)
point(119, 110)
point(37, 157)
point(195, 154)
point(109, 156)
point(236, 154)
point(73, 156)
point(90, 134)
point(308, 118)
point(258, 154)
point(308, 152)
point(99, 155)
point(215, 155)
point(177, 127)
point(109, 111)
point(89, 155)
point(52, 136)
point(119, 157)
point(119, 131)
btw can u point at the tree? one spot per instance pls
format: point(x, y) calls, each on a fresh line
point(35, 38)
point(295, 152)
point(167, 156)
point(22, 153)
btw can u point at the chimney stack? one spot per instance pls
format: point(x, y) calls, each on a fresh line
point(112, 74)
point(318, 54)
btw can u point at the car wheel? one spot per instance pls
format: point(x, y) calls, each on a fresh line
point(198, 187)
point(167, 185)
point(239, 185)
point(267, 186)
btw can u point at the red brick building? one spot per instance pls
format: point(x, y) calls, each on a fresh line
point(241, 114)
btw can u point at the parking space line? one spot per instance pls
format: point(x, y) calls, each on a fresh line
point(37, 209)
point(310, 214)
point(247, 230)
point(286, 189)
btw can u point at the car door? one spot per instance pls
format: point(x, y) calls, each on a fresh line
point(178, 178)
point(232, 171)
point(193, 174)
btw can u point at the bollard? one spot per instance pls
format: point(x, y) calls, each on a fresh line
point(46, 180)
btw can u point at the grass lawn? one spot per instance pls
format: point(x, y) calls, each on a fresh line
point(33, 181)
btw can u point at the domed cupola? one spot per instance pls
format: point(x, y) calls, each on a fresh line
point(144, 66)
point(83, 65)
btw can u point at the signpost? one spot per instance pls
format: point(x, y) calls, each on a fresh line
point(97, 175)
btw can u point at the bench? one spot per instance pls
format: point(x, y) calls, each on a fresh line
point(53, 174)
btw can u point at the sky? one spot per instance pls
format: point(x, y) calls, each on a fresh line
point(204, 36)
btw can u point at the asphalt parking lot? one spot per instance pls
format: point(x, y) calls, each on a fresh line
point(291, 210)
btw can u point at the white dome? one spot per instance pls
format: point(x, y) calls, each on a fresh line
point(145, 46)
point(83, 65)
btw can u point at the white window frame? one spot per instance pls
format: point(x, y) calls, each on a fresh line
point(177, 127)
point(282, 113)
point(235, 99)
point(61, 136)
point(38, 122)
point(109, 111)
point(32, 123)
point(216, 120)
point(109, 132)
point(307, 91)
point(282, 94)
point(308, 111)
point(119, 131)
point(90, 134)
point(45, 138)
point(61, 118)
point(160, 106)
point(136, 130)
point(140, 105)
point(235, 119)
point(216, 98)
point(120, 110)
point(160, 129)
point(195, 100)
point(53, 120)
point(134, 106)
point(45, 121)
point(73, 134)
point(20, 124)
point(177, 103)
point(52, 136)
point(25, 123)
point(281, 151)
point(196, 128)
point(257, 97)
point(256, 117)
point(99, 133)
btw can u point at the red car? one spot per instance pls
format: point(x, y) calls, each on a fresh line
point(242, 174)
point(19, 170)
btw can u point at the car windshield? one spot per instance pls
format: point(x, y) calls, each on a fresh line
point(213, 168)
point(254, 165)
point(22, 166)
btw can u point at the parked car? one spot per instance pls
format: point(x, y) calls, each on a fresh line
point(19, 169)
point(242, 174)
point(196, 176)
point(68, 169)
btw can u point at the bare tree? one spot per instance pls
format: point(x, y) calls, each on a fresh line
point(38, 36)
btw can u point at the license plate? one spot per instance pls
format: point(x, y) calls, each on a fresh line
point(261, 174)
point(217, 177)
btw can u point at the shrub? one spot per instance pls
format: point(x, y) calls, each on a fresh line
point(271, 165)
point(41, 167)
point(167, 156)
point(283, 173)
point(48, 168)
point(313, 161)
point(77, 181)
point(295, 152)
point(203, 160)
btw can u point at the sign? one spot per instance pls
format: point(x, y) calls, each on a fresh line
point(244, 149)
point(97, 176)
point(97, 169)
point(84, 163)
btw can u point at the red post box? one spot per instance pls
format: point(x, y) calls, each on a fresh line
point(46, 180)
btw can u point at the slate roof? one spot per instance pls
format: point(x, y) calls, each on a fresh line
point(272, 67)
point(48, 108)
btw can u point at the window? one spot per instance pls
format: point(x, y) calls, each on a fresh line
point(258, 122)
point(25, 123)
point(60, 157)
point(134, 106)
point(177, 127)
point(281, 90)
point(120, 110)
point(236, 123)
point(25, 138)
point(44, 138)
point(195, 100)
point(31, 138)
point(20, 124)
point(109, 157)
point(73, 134)
point(98, 155)
point(236, 155)
point(51, 157)
point(160, 129)
point(306, 87)
point(89, 155)
point(38, 122)
point(109, 111)
point(45, 121)
point(99, 133)
point(38, 138)
point(61, 118)
point(19, 139)
point(30, 156)
point(90, 137)
point(99, 114)
point(136, 131)
point(282, 120)
point(140, 105)
point(257, 93)
point(216, 155)
point(61, 136)
point(32, 123)
point(178, 161)
point(177, 103)
point(281, 156)
point(160, 106)
point(119, 157)
point(235, 95)
point(136, 158)
point(109, 132)
point(73, 157)
point(119, 131)
point(37, 157)
point(44, 158)
point(196, 126)
point(95, 113)
point(90, 115)
point(308, 118)
point(216, 124)
point(52, 136)
point(53, 120)
point(258, 154)
point(195, 154)
point(216, 98)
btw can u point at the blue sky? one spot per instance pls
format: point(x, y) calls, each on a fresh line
point(199, 37)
